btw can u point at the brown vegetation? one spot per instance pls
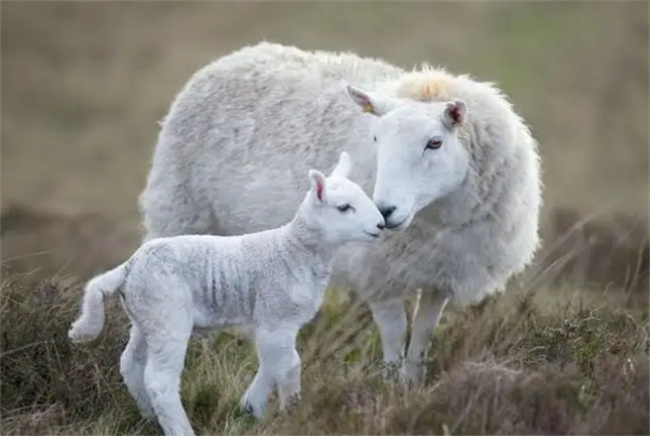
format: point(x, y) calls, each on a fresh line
point(565, 350)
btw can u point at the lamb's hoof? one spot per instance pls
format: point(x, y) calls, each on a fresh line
point(248, 408)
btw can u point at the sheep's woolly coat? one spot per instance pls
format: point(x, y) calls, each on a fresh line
point(239, 137)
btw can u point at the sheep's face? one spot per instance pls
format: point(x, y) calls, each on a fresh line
point(419, 155)
point(341, 208)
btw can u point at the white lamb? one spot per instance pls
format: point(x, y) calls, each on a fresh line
point(455, 169)
point(271, 283)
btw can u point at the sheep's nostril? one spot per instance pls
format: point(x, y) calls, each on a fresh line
point(387, 211)
point(381, 226)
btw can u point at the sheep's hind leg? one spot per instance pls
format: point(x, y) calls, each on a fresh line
point(427, 316)
point(165, 360)
point(390, 317)
point(132, 364)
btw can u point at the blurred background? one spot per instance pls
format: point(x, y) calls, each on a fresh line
point(84, 83)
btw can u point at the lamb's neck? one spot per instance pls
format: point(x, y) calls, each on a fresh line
point(306, 243)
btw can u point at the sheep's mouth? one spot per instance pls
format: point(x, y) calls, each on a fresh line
point(396, 226)
point(374, 235)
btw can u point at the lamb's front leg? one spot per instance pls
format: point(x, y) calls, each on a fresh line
point(254, 399)
point(279, 364)
point(426, 318)
point(390, 317)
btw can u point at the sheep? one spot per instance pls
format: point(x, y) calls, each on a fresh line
point(270, 282)
point(456, 173)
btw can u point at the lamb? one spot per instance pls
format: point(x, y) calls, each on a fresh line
point(455, 169)
point(270, 282)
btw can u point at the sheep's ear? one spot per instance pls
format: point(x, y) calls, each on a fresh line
point(371, 103)
point(343, 167)
point(317, 180)
point(455, 113)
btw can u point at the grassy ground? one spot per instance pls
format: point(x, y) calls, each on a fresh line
point(547, 361)
point(564, 351)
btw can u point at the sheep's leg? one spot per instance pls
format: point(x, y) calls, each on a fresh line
point(162, 375)
point(390, 317)
point(426, 318)
point(132, 364)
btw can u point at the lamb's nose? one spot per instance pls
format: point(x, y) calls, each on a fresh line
point(386, 211)
point(381, 226)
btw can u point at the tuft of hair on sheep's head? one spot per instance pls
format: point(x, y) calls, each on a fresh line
point(420, 157)
point(340, 207)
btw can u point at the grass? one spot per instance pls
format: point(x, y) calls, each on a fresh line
point(547, 361)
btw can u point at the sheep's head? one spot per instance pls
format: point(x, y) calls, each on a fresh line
point(419, 155)
point(341, 208)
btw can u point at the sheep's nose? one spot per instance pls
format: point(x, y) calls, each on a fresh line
point(386, 211)
point(381, 226)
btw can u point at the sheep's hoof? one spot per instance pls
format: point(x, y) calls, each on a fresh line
point(413, 373)
point(390, 371)
point(291, 403)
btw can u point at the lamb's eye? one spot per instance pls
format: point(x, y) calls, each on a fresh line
point(344, 208)
point(434, 143)
point(374, 138)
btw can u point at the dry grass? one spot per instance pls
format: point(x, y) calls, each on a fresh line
point(564, 351)
point(522, 365)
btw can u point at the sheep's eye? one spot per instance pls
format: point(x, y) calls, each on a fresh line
point(344, 208)
point(434, 143)
point(374, 138)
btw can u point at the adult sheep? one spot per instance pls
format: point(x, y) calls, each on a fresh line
point(455, 172)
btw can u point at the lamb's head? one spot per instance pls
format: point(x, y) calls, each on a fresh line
point(340, 208)
point(420, 157)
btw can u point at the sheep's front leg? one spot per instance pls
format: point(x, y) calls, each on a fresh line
point(390, 317)
point(426, 318)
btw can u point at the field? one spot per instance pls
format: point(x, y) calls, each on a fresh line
point(564, 350)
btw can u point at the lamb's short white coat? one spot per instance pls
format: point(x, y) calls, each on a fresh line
point(451, 161)
point(271, 283)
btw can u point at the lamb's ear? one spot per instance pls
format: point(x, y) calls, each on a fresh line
point(343, 167)
point(317, 180)
point(455, 113)
point(371, 103)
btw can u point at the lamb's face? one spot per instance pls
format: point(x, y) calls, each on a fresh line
point(342, 209)
point(419, 158)
point(419, 155)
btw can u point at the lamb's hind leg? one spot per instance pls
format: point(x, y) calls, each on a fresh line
point(166, 351)
point(132, 364)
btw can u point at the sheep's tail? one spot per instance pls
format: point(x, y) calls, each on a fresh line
point(91, 321)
